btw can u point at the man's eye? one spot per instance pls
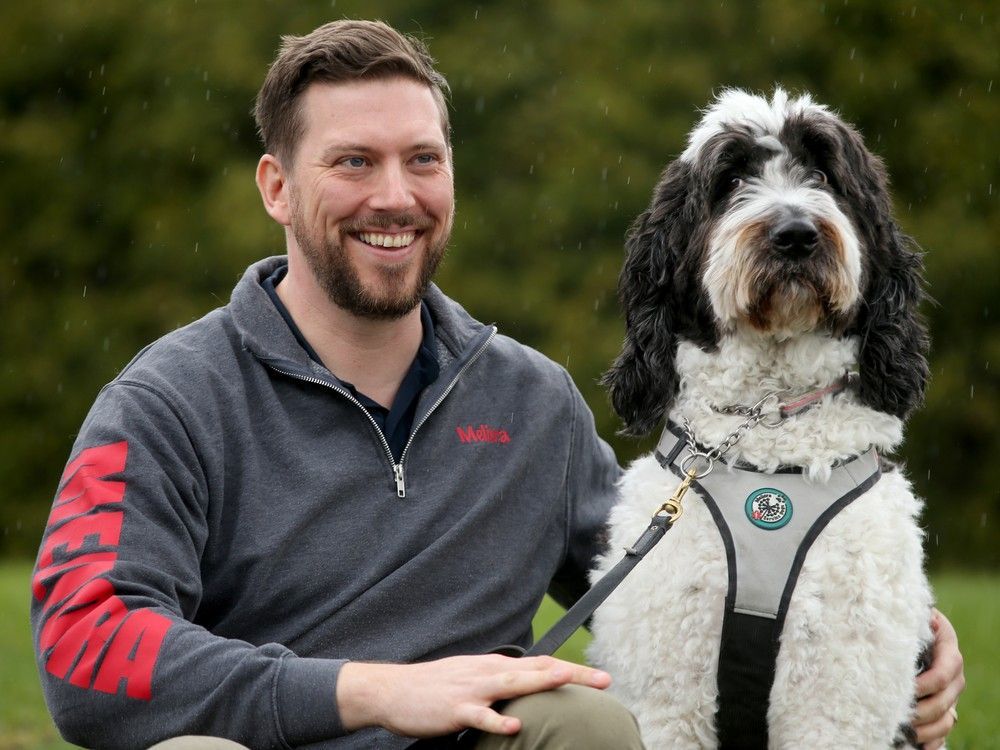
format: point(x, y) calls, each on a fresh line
point(354, 161)
point(425, 158)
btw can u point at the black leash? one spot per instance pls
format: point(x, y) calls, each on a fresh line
point(578, 614)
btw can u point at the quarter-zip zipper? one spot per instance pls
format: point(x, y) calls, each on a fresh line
point(398, 474)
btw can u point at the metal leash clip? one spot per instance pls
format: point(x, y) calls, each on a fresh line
point(672, 508)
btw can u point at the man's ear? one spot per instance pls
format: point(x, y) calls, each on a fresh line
point(273, 185)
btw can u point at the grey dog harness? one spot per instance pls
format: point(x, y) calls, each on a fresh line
point(767, 523)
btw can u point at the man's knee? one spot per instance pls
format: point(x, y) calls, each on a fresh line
point(197, 743)
point(570, 718)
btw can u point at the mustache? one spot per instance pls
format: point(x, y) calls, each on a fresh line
point(386, 221)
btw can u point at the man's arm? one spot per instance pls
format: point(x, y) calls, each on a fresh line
point(939, 686)
point(439, 697)
point(118, 583)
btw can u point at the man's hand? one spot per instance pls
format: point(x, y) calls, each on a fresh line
point(439, 697)
point(938, 688)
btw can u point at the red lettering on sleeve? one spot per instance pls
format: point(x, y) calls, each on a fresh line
point(73, 576)
point(132, 655)
point(89, 634)
point(104, 529)
point(83, 483)
point(60, 632)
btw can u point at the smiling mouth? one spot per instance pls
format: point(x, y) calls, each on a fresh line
point(382, 240)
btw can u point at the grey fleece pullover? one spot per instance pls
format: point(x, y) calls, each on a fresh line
point(229, 529)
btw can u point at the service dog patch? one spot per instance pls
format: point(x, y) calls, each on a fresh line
point(768, 508)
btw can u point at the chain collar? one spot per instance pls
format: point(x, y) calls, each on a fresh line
point(754, 416)
point(782, 410)
point(770, 411)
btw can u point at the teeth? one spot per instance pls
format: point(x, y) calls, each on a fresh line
point(387, 240)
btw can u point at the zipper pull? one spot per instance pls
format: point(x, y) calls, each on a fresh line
point(397, 470)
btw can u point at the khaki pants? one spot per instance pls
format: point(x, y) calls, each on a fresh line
point(570, 718)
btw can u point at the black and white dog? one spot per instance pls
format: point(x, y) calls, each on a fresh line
point(788, 606)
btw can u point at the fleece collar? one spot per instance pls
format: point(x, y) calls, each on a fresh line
point(265, 334)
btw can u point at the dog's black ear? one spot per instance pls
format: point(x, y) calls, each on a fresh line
point(892, 360)
point(642, 382)
point(893, 356)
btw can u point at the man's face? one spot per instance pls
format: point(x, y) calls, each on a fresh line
point(371, 193)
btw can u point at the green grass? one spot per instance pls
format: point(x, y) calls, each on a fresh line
point(971, 601)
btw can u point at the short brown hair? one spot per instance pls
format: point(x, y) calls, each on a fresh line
point(336, 52)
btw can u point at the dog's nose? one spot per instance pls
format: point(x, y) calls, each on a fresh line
point(795, 238)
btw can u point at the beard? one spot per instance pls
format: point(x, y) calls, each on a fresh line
point(389, 296)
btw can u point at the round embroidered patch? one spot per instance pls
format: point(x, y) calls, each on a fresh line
point(768, 508)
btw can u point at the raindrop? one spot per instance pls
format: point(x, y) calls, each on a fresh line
point(972, 391)
point(475, 15)
point(196, 247)
point(85, 291)
point(531, 169)
point(853, 50)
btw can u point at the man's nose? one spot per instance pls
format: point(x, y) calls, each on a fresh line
point(393, 190)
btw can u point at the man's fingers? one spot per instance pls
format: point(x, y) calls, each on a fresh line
point(577, 673)
point(546, 676)
point(936, 730)
point(487, 720)
point(947, 663)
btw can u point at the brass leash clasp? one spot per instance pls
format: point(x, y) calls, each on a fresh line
point(672, 508)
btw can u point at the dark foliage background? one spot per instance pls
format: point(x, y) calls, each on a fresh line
point(128, 208)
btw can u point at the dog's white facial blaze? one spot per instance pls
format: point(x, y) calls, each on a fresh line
point(743, 275)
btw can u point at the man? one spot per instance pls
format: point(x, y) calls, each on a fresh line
point(286, 523)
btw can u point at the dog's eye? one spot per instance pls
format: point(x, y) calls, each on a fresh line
point(735, 182)
point(820, 176)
